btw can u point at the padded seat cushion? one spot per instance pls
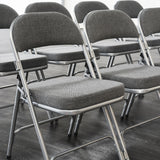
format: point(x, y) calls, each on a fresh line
point(5, 43)
point(114, 46)
point(64, 52)
point(153, 41)
point(134, 76)
point(75, 92)
point(29, 61)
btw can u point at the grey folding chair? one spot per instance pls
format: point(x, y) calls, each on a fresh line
point(149, 25)
point(59, 54)
point(7, 15)
point(138, 79)
point(81, 10)
point(133, 8)
point(64, 95)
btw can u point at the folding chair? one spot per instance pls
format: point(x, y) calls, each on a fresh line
point(138, 79)
point(81, 10)
point(64, 95)
point(148, 25)
point(133, 8)
point(59, 54)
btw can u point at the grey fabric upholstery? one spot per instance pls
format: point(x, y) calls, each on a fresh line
point(113, 46)
point(5, 43)
point(153, 41)
point(130, 7)
point(7, 15)
point(75, 92)
point(34, 30)
point(105, 24)
point(64, 52)
point(134, 76)
point(149, 21)
point(47, 7)
point(29, 61)
point(83, 8)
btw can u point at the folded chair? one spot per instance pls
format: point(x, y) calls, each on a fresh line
point(64, 95)
point(137, 79)
point(114, 47)
point(59, 54)
point(133, 8)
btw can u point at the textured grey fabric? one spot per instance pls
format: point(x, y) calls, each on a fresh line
point(130, 7)
point(64, 52)
point(47, 7)
point(7, 15)
point(105, 24)
point(5, 43)
point(149, 21)
point(134, 76)
point(75, 92)
point(28, 61)
point(34, 30)
point(83, 8)
point(113, 46)
point(153, 41)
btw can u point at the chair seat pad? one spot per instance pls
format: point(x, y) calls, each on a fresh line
point(75, 92)
point(133, 76)
point(29, 61)
point(114, 46)
point(64, 52)
point(153, 41)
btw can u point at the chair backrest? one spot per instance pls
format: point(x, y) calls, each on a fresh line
point(34, 30)
point(47, 7)
point(106, 24)
point(7, 15)
point(83, 8)
point(130, 7)
point(149, 20)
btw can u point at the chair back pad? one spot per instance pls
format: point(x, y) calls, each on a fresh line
point(34, 30)
point(107, 24)
point(83, 8)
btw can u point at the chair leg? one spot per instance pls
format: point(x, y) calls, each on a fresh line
point(110, 62)
point(131, 100)
point(120, 145)
point(42, 75)
point(77, 125)
point(125, 106)
point(13, 123)
point(72, 122)
point(38, 76)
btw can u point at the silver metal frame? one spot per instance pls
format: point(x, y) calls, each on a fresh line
point(108, 112)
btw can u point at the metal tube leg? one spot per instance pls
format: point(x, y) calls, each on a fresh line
point(13, 123)
point(42, 74)
point(79, 119)
point(72, 122)
point(111, 60)
point(130, 105)
point(73, 69)
point(125, 106)
point(38, 77)
point(36, 125)
point(110, 117)
point(69, 70)
point(128, 59)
